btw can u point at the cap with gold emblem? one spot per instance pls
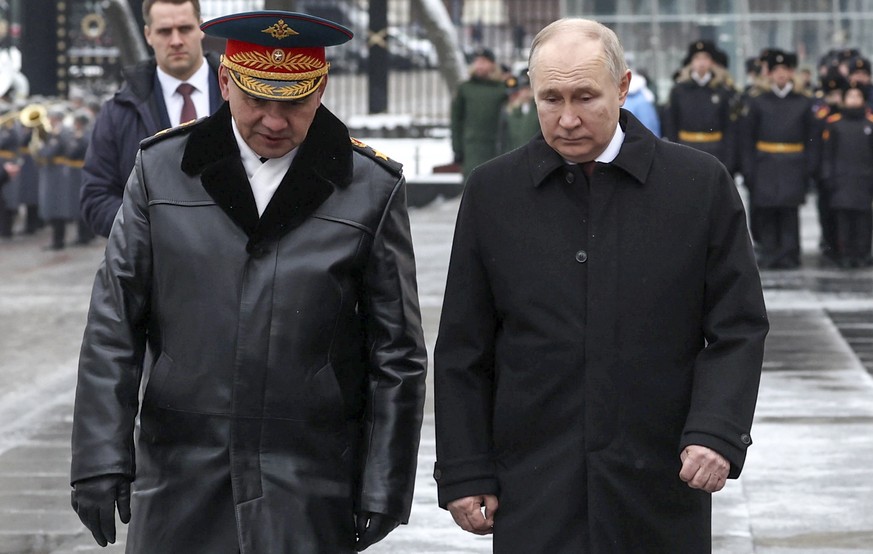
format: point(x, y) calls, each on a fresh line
point(276, 55)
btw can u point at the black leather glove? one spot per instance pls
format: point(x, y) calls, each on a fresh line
point(94, 499)
point(372, 528)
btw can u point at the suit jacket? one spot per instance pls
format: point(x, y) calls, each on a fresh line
point(137, 111)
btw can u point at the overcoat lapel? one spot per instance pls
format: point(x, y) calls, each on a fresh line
point(323, 162)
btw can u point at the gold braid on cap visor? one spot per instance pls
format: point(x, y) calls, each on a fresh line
point(302, 85)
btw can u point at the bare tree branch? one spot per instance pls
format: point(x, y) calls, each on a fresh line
point(441, 32)
point(125, 32)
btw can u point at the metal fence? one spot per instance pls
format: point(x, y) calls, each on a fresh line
point(655, 34)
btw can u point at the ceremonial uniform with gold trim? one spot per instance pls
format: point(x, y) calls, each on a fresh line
point(780, 148)
point(285, 368)
point(847, 172)
point(702, 117)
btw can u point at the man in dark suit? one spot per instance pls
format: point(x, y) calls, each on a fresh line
point(150, 100)
point(602, 333)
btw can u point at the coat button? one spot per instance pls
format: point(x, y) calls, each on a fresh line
point(569, 177)
point(746, 439)
point(437, 474)
point(581, 256)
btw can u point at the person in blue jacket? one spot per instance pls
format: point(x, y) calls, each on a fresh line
point(147, 103)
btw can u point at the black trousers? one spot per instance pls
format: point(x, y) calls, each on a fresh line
point(778, 237)
point(854, 233)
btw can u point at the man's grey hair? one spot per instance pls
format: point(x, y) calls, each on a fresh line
point(612, 49)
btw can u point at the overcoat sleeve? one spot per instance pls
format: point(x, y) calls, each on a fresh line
point(102, 187)
point(727, 370)
point(398, 362)
point(464, 368)
point(111, 358)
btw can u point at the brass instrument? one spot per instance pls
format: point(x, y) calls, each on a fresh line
point(31, 116)
point(35, 116)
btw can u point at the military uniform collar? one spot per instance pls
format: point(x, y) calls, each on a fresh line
point(323, 163)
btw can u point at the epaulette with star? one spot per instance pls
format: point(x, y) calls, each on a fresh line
point(823, 112)
point(167, 133)
point(834, 118)
point(393, 166)
point(869, 117)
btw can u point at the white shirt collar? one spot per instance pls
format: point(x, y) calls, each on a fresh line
point(251, 160)
point(612, 150)
point(173, 100)
point(702, 81)
point(782, 92)
point(200, 80)
point(264, 177)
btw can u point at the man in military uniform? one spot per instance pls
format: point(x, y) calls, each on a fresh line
point(475, 112)
point(827, 102)
point(780, 155)
point(701, 113)
point(263, 260)
point(859, 77)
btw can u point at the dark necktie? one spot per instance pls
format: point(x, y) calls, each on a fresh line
point(264, 159)
point(189, 112)
point(588, 167)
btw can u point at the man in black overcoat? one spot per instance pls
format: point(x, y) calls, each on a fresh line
point(602, 333)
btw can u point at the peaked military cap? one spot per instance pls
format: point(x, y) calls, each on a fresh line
point(276, 55)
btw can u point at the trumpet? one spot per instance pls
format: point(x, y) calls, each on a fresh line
point(31, 116)
point(35, 116)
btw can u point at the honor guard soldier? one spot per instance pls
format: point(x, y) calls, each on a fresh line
point(828, 99)
point(701, 112)
point(780, 155)
point(859, 77)
point(847, 175)
point(9, 168)
point(261, 270)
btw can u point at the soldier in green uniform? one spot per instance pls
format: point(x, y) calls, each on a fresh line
point(476, 112)
point(518, 119)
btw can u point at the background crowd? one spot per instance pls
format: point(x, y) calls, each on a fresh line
point(42, 147)
point(786, 134)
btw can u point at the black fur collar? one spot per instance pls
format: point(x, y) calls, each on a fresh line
point(323, 162)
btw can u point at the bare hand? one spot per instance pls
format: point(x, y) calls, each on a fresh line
point(467, 513)
point(704, 468)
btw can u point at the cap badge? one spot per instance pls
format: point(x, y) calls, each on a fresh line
point(278, 56)
point(280, 30)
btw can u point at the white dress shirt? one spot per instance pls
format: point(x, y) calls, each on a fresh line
point(264, 177)
point(173, 100)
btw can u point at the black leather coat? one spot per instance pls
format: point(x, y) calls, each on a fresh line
point(285, 385)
